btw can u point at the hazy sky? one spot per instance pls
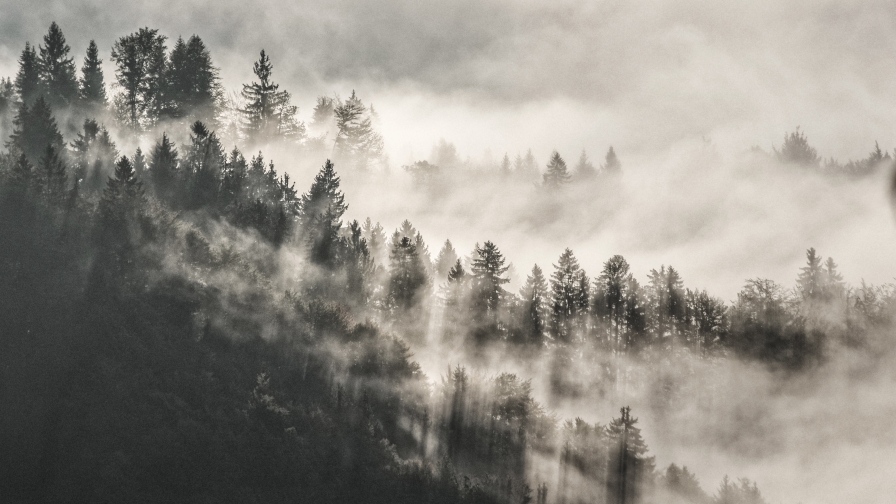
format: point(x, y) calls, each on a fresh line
point(567, 74)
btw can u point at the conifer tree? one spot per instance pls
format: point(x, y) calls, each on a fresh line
point(584, 169)
point(28, 78)
point(192, 83)
point(92, 83)
point(323, 120)
point(202, 167)
point(139, 164)
point(611, 165)
point(488, 270)
point(356, 141)
point(376, 241)
point(628, 466)
point(566, 297)
point(22, 176)
point(505, 166)
point(57, 70)
point(796, 150)
point(51, 176)
point(407, 276)
point(7, 103)
point(35, 129)
point(320, 215)
point(445, 260)
point(556, 176)
point(140, 61)
point(613, 282)
point(163, 169)
point(268, 113)
point(535, 313)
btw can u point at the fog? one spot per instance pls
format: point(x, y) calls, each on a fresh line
point(683, 92)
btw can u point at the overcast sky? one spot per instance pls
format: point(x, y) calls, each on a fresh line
point(563, 74)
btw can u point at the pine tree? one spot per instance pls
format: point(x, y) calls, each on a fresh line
point(320, 215)
point(566, 297)
point(268, 113)
point(535, 312)
point(796, 150)
point(28, 78)
point(376, 241)
point(505, 166)
point(192, 83)
point(323, 120)
point(612, 283)
point(488, 270)
point(445, 260)
point(584, 169)
point(57, 70)
point(611, 165)
point(628, 466)
point(407, 276)
point(556, 176)
point(139, 164)
point(202, 167)
point(356, 141)
point(119, 209)
point(811, 278)
point(140, 61)
point(92, 84)
point(7, 103)
point(22, 176)
point(51, 177)
point(163, 169)
point(35, 129)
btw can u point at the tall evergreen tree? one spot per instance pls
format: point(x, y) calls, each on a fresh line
point(584, 168)
point(445, 260)
point(566, 297)
point(611, 165)
point(140, 61)
point(407, 276)
point(35, 129)
point(51, 177)
point(163, 169)
point(92, 83)
point(356, 140)
point(629, 469)
point(535, 313)
point(192, 83)
point(57, 70)
point(268, 113)
point(613, 283)
point(28, 78)
point(203, 167)
point(320, 216)
point(488, 272)
point(556, 176)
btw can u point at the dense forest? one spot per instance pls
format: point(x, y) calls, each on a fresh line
point(182, 323)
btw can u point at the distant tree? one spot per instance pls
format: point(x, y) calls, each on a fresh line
point(629, 469)
point(376, 241)
point(446, 258)
point(355, 258)
point(120, 208)
point(422, 171)
point(709, 315)
point(681, 482)
point(535, 312)
point(139, 164)
point(320, 216)
point(7, 105)
point(202, 167)
point(667, 303)
point(613, 284)
point(796, 150)
point(51, 177)
point(733, 493)
point(92, 84)
point(323, 120)
point(192, 85)
point(57, 70)
point(22, 177)
point(356, 140)
point(530, 166)
point(95, 155)
point(556, 176)
point(140, 61)
point(28, 78)
point(487, 271)
point(163, 169)
point(611, 165)
point(567, 297)
point(584, 168)
point(35, 129)
point(268, 113)
point(444, 154)
point(407, 276)
point(506, 167)
point(810, 281)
